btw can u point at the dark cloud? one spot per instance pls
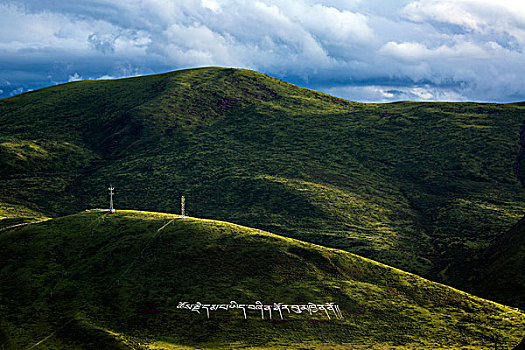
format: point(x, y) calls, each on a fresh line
point(361, 50)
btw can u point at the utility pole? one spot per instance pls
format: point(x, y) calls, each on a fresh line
point(111, 188)
point(182, 205)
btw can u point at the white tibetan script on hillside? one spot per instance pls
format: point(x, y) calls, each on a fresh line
point(311, 308)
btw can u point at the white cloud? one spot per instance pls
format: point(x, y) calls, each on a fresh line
point(74, 77)
point(453, 12)
point(196, 44)
point(329, 23)
point(424, 48)
point(213, 5)
point(106, 77)
point(417, 52)
point(504, 18)
point(374, 93)
point(16, 91)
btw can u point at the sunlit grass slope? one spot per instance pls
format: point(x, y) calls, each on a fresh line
point(16, 214)
point(425, 187)
point(113, 281)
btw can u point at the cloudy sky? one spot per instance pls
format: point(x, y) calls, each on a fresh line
point(362, 50)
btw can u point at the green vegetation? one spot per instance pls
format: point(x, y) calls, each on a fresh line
point(502, 268)
point(425, 187)
point(113, 281)
point(14, 214)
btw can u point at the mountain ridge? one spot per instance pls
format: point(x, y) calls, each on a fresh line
point(426, 187)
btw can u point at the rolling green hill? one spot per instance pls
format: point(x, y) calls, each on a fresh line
point(114, 281)
point(425, 187)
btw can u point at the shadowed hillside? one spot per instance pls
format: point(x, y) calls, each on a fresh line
point(502, 270)
point(425, 187)
point(103, 281)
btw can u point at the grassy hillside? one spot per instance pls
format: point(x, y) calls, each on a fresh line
point(425, 187)
point(95, 280)
point(503, 267)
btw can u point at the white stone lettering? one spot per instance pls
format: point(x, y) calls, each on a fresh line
point(311, 308)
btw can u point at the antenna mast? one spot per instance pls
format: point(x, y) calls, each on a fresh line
point(111, 188)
